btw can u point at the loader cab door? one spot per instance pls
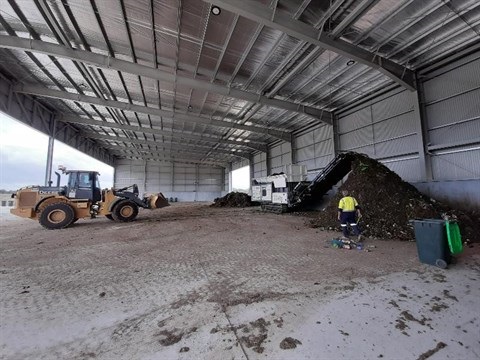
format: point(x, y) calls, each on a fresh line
point(84, 185)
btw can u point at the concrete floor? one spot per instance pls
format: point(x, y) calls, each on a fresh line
point(195, 282)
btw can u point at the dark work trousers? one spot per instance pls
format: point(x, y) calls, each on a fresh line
point(348, 217)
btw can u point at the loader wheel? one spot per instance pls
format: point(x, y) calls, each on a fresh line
point(57, 216)
point(125, 210)
point(109, 217)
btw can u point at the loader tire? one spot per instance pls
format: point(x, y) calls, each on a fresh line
point(57, 216)
point(125, 210)
point(109, 217)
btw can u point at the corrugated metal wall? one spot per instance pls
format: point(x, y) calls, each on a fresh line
point(260, 165)
point(240, 164)
point(386, 129)
point(452, 108)
point(280, 155)
point(186, 182)
point(315, 149)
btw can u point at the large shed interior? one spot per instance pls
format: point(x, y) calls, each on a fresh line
point(176, 96)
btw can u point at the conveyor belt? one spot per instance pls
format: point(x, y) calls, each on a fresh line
point(306, 193)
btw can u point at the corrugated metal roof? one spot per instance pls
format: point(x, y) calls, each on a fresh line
point(227, 84)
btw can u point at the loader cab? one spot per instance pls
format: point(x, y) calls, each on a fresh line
point(83, 185)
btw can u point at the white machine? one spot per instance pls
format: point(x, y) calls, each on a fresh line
point(289, 189)
point(274, 191)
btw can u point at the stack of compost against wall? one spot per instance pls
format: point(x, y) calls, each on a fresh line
point(388, 203)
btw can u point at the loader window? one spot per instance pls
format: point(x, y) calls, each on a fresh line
point(85, 181)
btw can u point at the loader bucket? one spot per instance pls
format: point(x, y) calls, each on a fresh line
point(157, 201)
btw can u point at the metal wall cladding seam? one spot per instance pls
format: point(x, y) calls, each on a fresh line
point(324, 148)
point(449, 111)
point(259, 165)
point(396, 147)
point(303, 140)
point(456, 166)
point(456, 133)
point(305, 153)
point(393, 106)
point(275, 151)
point(397, 126)
point(408, 170)
point(322, 133)
point(459, 80)
point(240, 164)
point(356, 139)
point(280, 155)
point(310, 164)
point(323, 161)
point(367, 150)
point(356, 120)
point(259, 158)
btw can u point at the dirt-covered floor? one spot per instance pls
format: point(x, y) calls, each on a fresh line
point(195, 282)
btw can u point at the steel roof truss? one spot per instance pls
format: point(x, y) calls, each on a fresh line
point(282, 21)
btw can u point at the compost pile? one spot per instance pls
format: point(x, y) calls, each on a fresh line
point(234, 199)
point(388, 203)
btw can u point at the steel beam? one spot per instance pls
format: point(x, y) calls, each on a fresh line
point(177, 160)
point(179, 136)
point(108, 62)
point(190, 154)
point(282, 21)
point(181, 149)
point(146, 130)
point(63, 95)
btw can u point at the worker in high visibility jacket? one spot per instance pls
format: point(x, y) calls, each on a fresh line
point(347, 209)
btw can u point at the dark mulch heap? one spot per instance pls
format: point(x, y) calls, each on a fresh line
point(388, 203)
point(234, 199)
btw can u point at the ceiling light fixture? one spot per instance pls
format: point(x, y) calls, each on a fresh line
point(215, 10)
point(350, 62)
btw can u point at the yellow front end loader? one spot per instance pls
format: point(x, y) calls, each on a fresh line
point(57, 207)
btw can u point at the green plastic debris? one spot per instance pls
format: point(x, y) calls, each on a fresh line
point(454, 238)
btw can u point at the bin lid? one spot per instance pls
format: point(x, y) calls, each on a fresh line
point(454, 238)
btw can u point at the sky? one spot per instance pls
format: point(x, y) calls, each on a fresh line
point(23, 157)
point(241, 178)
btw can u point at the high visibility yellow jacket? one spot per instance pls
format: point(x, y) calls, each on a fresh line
point(348, 204)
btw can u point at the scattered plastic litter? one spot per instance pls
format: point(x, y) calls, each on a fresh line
point(346, 244)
